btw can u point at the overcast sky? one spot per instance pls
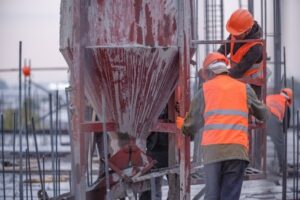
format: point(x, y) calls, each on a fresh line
point(36, 23)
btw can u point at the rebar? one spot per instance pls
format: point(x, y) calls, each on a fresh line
point(29, 171)
point(44, 178)
point(37, 152)
point(26, 175)
point(297, 180)
point(56, 140)
point(58, 176)
point(3, 168)
point(14, 152)
point(20, 123)
point(294, 139)
point(284, 170)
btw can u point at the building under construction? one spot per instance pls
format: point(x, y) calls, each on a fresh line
point(133, 70)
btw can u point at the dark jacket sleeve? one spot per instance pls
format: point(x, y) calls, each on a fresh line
point(256, 107)
point(252, 56)
point(194, 120)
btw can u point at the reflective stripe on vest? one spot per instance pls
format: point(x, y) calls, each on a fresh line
point(256, 70)
point(276, 104)
point(226, 112)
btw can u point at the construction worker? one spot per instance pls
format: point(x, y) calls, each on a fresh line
point(221, 108)
point(245, 57)
point(279, 108)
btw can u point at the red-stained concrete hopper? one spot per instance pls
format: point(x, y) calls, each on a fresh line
point(137, 82)
point(135, 65)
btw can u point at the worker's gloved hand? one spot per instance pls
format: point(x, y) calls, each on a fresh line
point(179, 122)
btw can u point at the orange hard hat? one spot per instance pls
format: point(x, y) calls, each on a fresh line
point(26, 71)
point(288, 93)
point(239, 22)
point(214, 57)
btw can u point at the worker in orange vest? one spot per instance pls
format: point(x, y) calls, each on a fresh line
point(245, 57)
point(221, 108)
point(279, 108)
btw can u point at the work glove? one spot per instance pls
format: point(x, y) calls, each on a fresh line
point(179, 122)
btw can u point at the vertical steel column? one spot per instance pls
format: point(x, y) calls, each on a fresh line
point(80, 39)
point(222, 19)
point(251, 6)
point(184, 42)
point(20, 122)
point(206, 26)
point(277, 45)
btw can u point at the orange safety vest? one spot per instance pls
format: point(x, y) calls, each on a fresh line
point(276, 104)
point(256, 70)
point(226, 112)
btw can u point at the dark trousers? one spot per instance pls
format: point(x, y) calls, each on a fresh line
point(224, 179)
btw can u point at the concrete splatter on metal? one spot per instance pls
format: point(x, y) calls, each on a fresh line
point(137, 82)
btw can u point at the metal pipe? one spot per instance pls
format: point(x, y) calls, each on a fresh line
point(37, 152)
point(56, 140)
point(277, 45)
point(265, 16)
point(36, 69)
point(29, 170)
point(223, 41)
point(14, 156)
point(251, 6)
point(3, 168)
point(297, 176)
point(105, 141)
point(284, 68)
point(58, 176)
point(52, 142)
point(294, 139)
point(29, 92)
point(20, 122)
point(44, 178)
point(284, 176)
point(26, 175)
point(222, 19)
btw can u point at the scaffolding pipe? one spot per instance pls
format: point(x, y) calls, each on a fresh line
point(277, 45)
point(251, 6)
